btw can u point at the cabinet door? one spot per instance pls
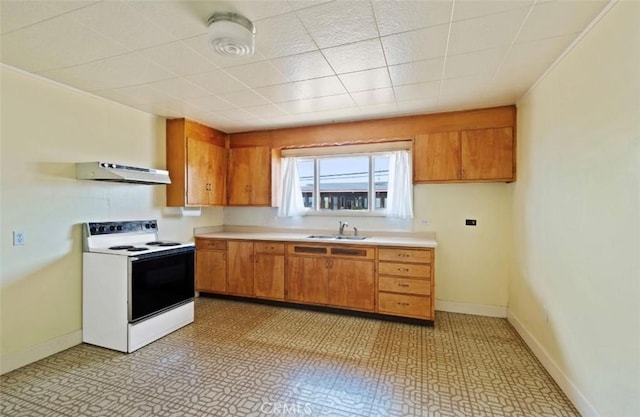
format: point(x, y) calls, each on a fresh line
point(198, 171)
point(351, 284)
point(436, 157)
point(249, 178)
point(240, 268)
point(307, 279)
point(269, 276)
point(211, 271)
point(487, 154)
point(218, 172)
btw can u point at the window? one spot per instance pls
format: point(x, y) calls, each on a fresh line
point(368, 178)
point(344, 182)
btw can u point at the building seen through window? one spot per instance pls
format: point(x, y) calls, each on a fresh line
point(345, 182)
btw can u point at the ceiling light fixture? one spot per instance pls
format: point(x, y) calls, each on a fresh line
point(231, 34)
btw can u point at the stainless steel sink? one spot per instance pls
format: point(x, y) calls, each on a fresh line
point(337, 237)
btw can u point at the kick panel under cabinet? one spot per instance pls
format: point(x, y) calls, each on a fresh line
point(390, 281)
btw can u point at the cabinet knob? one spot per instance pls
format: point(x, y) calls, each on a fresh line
point(403, 269)
point(402, 304)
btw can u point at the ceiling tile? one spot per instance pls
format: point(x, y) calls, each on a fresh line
point(416, 72)
point(420, 106)
point(118, 21)
point(366, 80)
point(120, 71)
point(183, 19)
point(372, 97)
point(303, 66)
point(409, 92)
point(244, 98)
point(470, 86)
point(257, 74)
point(217, 81)
point(282, 36)
point(355, 56)
point(281, 92)
point(540, 53)
point(210, 103)
point(339, 22)
point(559, 18)
point(318, 104)
point(179, 58)
point(416, 45)
point(401, 16)
point(319, 87)
point(475, 63)
point(137, 94)
point(19, 14)
point(470, 9)
point(179, 88)
point(266, 111)
point(56, 43)
point(238, 115)
point(485, 32)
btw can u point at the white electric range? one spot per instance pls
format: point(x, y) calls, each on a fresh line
point(135, 287)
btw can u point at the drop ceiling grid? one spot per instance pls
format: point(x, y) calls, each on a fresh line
point(316, 61)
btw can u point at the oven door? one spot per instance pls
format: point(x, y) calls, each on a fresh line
point(160, 281)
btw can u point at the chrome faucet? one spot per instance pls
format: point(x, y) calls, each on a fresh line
point(342, 226)
point(355, 231)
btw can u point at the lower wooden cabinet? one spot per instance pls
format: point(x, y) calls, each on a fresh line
point(211, 265)
point(308, 279)
point(269, 271)
point(389, 281)
point(240, 267)
point(352, 284)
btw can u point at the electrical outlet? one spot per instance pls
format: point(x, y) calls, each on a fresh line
point(18, 238)
point(424, 221)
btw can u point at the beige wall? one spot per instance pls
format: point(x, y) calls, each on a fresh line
point(577, 218)
point(472, 263)
point(45, 129)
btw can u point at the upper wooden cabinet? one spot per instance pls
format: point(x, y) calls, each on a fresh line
point(250, 176)
point(196, 160)
point(464, 156)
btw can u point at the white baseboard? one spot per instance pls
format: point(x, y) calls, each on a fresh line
point(583, 405)
point(474, 309)
point(32, 354)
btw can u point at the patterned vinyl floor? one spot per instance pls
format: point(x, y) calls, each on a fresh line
point(242, 359)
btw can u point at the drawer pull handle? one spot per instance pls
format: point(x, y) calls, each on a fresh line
point(403, 269)
point(402, 285)
point(402, 304)
point(404, 255)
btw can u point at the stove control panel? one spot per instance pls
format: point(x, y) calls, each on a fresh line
point(109, 228)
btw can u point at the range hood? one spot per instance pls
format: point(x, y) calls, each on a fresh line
point(107, 171)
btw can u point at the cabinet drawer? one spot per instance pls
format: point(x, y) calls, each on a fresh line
point(404, 270)
point(405, 286)
point(404, 305)
point(211, 244)
point(269, 247)
point(405, 255)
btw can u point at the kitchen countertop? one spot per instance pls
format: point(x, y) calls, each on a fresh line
point(417, 240)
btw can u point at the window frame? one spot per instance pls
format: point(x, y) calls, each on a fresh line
point(371, 211)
